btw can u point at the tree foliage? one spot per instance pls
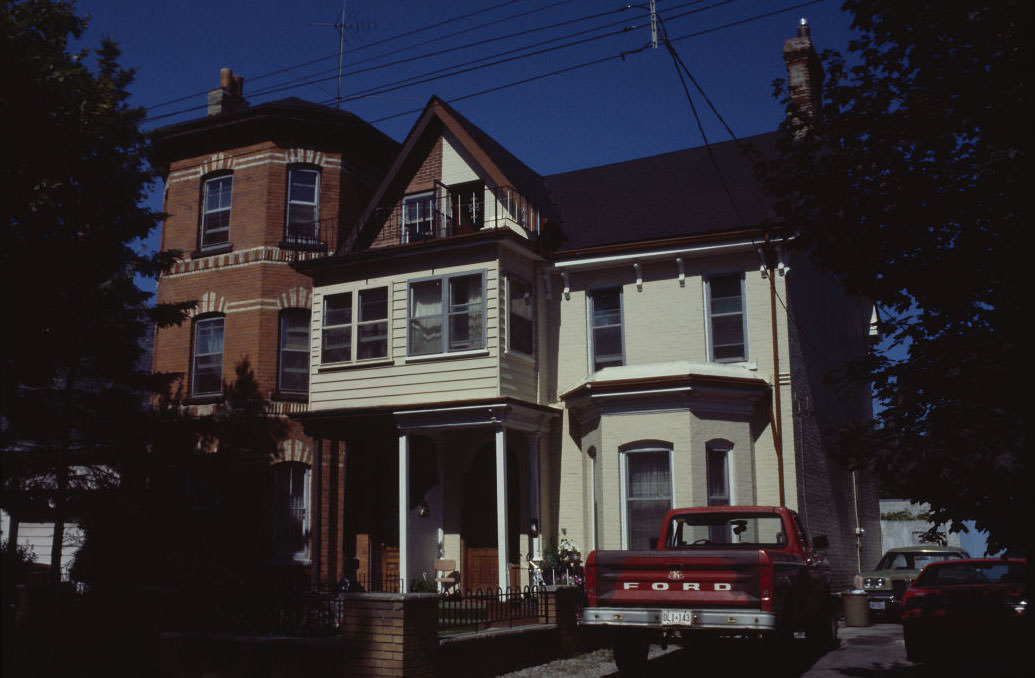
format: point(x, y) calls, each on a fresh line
point(907, 185)
point(75, 177)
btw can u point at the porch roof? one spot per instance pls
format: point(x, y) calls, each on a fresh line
point(509, 412)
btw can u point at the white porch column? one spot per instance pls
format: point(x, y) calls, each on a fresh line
point(533, 499)
point(501, 507)
point(404, 510)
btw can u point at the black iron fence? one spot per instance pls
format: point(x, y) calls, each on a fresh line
point(478, 610)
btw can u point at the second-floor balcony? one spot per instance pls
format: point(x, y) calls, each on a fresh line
point(454, 210)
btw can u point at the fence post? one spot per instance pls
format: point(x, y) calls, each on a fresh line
point(562, 606)
point(391, 634)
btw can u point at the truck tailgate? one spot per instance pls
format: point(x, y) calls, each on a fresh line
point(703, 578)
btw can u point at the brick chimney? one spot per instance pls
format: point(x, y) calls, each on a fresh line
point(229, 95)
point(804, 76)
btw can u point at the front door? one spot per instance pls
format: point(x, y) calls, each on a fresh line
point(480, 558)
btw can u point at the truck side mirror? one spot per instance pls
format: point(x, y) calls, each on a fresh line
point(821, 542)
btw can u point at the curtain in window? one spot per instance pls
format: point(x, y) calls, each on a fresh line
point(426, 317)
point(648, 496)
point(465, 312)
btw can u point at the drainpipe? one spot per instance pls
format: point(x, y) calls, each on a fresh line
point(775, 422)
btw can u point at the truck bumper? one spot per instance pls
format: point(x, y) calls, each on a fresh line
point(656, 618)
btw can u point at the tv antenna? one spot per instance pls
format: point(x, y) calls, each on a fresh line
point(341, 27)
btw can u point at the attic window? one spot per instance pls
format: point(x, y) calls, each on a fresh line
point(418, 217)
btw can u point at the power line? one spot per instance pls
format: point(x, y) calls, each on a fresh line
point(354, 49)
point(468, 45)
point(541, 76)
point(458, 69)
point(741, 22)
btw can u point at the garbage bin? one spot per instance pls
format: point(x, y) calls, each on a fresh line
point(856, 607)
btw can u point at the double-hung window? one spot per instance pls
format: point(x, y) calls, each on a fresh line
point(207, 361)
point(605, 313)
point(367, 330)
point(520, 325)
point(418, 217)
point(648, 494)
point(215, 211)
point(303, 205)
point(726, 318)
point(336, 343)
point(447, 314)
point(372, 326)
point(293, 374)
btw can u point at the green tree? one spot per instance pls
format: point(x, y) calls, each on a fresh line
point(74, 181)
point(906, 184)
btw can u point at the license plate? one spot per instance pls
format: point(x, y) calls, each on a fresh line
point(876, 604)
point(677, 617)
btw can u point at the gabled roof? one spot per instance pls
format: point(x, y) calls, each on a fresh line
point(501, 166)
point(662, 196)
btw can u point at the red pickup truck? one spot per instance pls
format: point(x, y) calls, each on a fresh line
point(746, 571)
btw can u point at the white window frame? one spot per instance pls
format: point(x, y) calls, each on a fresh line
point(623, 468)
point(709, 315)
point(429, 197)
point(325, 326)
point(726, 449)
point(529, 298)
point(303, 554)
point(591, 338)
point(195, 355)
point(206, 232)
point(315, 205)
point(285, 314)
point(445, 313)
point(356, 322)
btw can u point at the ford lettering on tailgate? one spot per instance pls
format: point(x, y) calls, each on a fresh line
point(676, 586)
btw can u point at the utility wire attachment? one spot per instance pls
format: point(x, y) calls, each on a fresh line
point(653, 25)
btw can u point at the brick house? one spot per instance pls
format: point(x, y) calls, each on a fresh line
point(247, 191)
point(500, 358)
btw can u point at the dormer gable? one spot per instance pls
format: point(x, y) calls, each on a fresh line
point(449, 179)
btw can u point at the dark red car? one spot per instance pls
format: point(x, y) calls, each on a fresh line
point(966, 605)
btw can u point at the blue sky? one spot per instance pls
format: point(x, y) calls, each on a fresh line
point(618, 109)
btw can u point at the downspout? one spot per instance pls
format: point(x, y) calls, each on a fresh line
point(775, 421)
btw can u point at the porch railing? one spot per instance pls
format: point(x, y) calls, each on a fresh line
point(447, 213)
